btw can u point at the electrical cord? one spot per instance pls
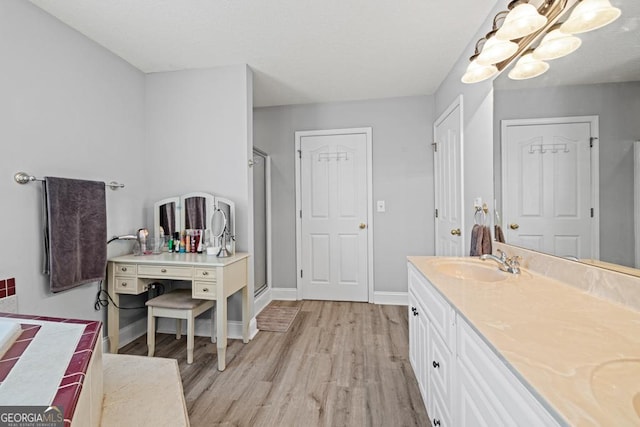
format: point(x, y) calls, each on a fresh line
point(104, 301)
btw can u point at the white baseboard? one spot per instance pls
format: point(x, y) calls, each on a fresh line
point(138, 328)
point(132, 331)
point(262, 301)
point(284, 294)
point(391, 298)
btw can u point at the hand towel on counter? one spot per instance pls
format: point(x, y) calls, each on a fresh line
point(75, 235)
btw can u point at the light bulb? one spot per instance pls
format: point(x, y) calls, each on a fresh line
point(521, 21)
point(590, 15)
point(556, 44)
point(476, 73)
point(528, 67)
point(496, 50)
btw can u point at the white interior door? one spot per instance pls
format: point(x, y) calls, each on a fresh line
point(334, 215)
point(450, 239)
point(548, 192)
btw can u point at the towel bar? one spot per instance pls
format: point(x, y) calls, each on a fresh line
point(25, 178)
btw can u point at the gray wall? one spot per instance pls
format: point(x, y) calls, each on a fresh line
point(402, 176)
point(618, 107)
point(199, 138)
point(69, 108)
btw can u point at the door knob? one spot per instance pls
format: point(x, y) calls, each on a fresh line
point(363, 226)
point(514, 226)
point(455, 232)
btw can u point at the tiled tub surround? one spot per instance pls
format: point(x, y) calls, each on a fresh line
point(8, 298)
point(578, 353)
point(55, 361)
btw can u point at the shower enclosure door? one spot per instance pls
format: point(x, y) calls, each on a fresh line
point(260, 216)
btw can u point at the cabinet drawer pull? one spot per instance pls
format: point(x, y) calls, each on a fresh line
point(123, 269)
point(124, 284)
point(436, 364)
point(436, 422)
point(205, 289)
point(205, 273)
point(164, 270)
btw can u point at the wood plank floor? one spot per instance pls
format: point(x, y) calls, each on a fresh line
point(339, 364)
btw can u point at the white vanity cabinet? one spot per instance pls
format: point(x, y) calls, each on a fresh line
point(488, 390)
point(431, 341)
point(462, 381)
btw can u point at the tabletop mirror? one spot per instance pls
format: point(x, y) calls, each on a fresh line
point(198, 211)
point(166, 217)
point(223, 227)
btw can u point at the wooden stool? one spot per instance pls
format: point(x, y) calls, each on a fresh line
point(177, 305)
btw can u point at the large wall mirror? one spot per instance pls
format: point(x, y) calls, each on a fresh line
point(593, 91)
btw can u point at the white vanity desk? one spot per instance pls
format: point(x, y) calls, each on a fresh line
point(211, 278)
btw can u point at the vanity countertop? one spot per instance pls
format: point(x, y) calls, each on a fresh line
point(580, 353)
point(167, 258)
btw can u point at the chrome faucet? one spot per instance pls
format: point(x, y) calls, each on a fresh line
point(510, 265)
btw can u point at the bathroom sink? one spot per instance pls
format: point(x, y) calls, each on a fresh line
point(9, 332)
point(615, 384)
point(472, 270)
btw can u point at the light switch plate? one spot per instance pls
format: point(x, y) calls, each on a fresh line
point(380, 206)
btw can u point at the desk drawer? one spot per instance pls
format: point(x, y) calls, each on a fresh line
point(131, 286)
point(165, 271)
point(125, 269)
point(205, 274)
point(205, 290)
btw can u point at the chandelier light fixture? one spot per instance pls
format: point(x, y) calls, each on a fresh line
point(532, 35)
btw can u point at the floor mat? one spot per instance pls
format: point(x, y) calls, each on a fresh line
point(276, 318)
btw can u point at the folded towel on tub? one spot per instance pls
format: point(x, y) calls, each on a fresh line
point(75, 235)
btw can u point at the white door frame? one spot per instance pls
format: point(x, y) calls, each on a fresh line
point(595, 164)
point(457, 103)
point(298, 137)
point(636, 199)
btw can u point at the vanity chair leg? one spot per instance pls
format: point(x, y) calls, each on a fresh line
point(151, 332)
point(190, 326)
point(178, 328)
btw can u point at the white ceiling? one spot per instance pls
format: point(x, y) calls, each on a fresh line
point(301, 51)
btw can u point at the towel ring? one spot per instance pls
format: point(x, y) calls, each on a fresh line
point(481, 214)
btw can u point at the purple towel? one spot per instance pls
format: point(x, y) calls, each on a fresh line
point(476, 240)
point(75, 234)
point(486, 240)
